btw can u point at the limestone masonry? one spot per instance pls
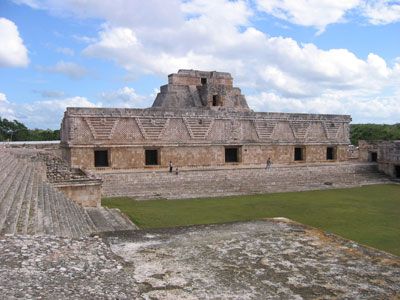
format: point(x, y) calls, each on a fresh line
point(199, 119)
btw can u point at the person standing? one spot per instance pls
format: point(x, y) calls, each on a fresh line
point(269, 163)
point(170, 166)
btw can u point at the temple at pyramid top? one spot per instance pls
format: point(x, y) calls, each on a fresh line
point(193, 88)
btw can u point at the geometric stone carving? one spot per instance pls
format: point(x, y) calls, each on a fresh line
point(283, 132)
point(299, 128)
point(331, 129)
point(198, 128)
point(316, 132)
point(264, 128)
point(102, 128)
point(152, 128)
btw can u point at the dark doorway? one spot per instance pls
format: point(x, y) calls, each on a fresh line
point(330, 153)
point(151, 157)
point(374, 156)
point(231, 155)
point(203, 81)
point(397, 171)
point(215, 100)
point(100, 158)
point(298, 153)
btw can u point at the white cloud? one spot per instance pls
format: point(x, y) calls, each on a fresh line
point(219, 35)
point(70, 69)
point(124, 97)
point(6, 109)
point(13, 52)
point(315, 13)
point(362, 109)
point(66, 51)
point(381, 12)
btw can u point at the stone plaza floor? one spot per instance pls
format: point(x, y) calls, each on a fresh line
point(266, 259)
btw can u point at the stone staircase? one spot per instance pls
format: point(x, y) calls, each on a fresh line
point(239, 180)
point(31, 205)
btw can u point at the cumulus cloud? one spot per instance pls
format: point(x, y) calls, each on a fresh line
point(362, 110)
point(70, 69)
point(313, 13)
point(125, 97)
point(6, 110)
point(219, 35)
point(13, 52)
point(381, 12)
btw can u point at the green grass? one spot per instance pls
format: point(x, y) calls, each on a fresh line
point(369, 215)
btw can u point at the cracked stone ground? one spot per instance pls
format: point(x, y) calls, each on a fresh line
point(269, 259)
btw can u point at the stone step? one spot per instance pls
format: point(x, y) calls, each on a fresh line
point(21, 196)
point(123, 222)
point(28, 206)
point(106, 219)
point(10, 191)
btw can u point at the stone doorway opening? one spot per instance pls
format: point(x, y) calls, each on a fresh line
point(397, 171)
point(298, 153)
point(216, 100)
point(151, 157)
point(101, 158)
point(231, 154)
point(374, 156)
point(330, 153)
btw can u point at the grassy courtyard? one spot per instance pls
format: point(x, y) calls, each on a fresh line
point(369, 215)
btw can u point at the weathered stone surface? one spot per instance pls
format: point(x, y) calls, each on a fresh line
point(389, 158)
point(237, 180)
point(270, 259)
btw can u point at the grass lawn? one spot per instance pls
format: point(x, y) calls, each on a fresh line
point(369, 215)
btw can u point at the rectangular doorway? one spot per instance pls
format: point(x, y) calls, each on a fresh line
point(101, 158)
point(151, 157)
point(374, 156)
point(298, 153)
point(330, 153)
point(231, 154)
point(397, 171)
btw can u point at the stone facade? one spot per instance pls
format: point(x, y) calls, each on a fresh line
point(389, 158)
point(199, 119)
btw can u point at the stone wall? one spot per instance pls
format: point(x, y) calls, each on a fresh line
point(367, 148)
point(198, 136)
point(85, 193)
point(202, 155)
point(389, 158)
point(225, 181)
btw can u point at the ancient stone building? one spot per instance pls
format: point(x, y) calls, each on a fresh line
point(389, 158)
point(199, 119)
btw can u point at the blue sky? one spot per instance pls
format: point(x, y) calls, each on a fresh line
point(335, 57)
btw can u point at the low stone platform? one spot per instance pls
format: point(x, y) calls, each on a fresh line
point(237, 180)
point(269, 259)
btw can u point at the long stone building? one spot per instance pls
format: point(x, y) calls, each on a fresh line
point(199, 119)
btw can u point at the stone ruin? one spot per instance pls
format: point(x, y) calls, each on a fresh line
point(199, 119)
point(52, 247)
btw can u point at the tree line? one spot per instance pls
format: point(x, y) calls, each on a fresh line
point(17, 131)
point(374, 132)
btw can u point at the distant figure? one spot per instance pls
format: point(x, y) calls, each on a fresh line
point(170, 166)
point(176, 171)
point(269, 163)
